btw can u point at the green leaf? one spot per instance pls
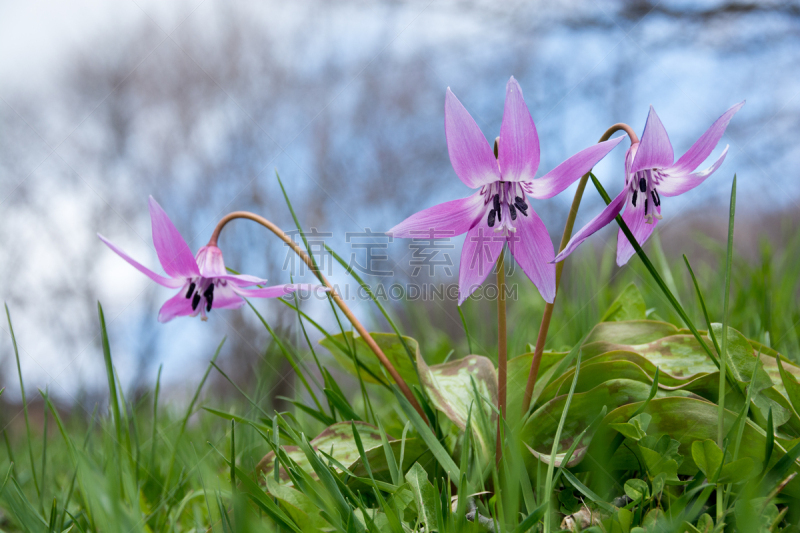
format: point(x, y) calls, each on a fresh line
point(450, 389)
point(297, 506)
point(661, 456)
point(708, 457)
point(630, 332)
point(637, 489)
point(635, 428)
point(737, 471)
point(388, 342)
point(336, 440)
point(790, 384)
point(629, 305)
point(424, 496)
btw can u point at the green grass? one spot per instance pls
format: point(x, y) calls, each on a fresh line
point(145, 465)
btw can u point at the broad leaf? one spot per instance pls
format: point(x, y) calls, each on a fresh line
point(391, 346)
point(424, 496)
point(450, 388)
point(629, 305)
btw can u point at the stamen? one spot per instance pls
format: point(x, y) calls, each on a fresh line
point(209, 299)
point(642, 184)
point(195, 302)
point(520, 203)
point(497, 203)
point(635, 194)
point(513, 211)
point(190, 291)
point(656, 198)
point(490, 221)
point(645, 207)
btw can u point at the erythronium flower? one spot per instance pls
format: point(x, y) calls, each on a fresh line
point(650, 173)
point(498, 211)
point(203, 281)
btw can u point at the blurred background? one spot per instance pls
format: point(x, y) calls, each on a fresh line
point(198, 103)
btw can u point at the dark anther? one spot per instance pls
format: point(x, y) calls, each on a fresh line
point(490, 221)
point(195, 302)
point(190, 291)
point(642, 184)
point(635, 194)
point(656, 198)
point(209, 291)
point(513, 211)
point(497, 202)
point(645, 206)
point(209, 299)
point(520, 203)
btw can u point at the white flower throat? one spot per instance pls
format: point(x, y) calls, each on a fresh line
point(505, 200)
point(643, 188)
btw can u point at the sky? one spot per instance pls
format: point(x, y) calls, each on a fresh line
point(582, 66)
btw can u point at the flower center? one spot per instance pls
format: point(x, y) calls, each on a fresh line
point(200, 289)
point(505, 199)
point(643, 188)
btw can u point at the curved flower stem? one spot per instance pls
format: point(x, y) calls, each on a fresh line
point(336, 298)
point(548, 308)
point(502, 351)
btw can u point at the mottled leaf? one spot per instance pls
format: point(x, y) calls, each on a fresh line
point(424, 496)
point(298, 506)
point(336, 440)
point(390, 345)
point(450, 388)
point(630, 332)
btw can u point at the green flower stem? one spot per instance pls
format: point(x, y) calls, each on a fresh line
point(565, 237)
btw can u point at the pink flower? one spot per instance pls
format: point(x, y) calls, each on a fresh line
point(650, 173)
point(498, 211)
point(203, 281)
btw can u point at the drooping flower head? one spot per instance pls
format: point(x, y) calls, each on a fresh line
point(650, 173)
point(203, 281)
point(498, 212)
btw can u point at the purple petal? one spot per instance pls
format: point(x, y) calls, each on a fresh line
point(703, 147)
point(178, 305)
point(518, 152)
point(470, 154)
point(479, 254)
point(635, 219)
point(655, 150)
point(210, 262)
point(161, 280)
point(444, 220)
point(242, 280)
point(277, 291)
point(600, 221)
point(570, 170)
point(532, 248)
point(225, 297)
point(172, 250)
point(676, 182)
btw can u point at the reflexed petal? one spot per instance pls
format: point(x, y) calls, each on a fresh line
point(225, 297)
point(703, 147)
point(470, 153)
point(570, 170)
point(676, 182)
point(277, 291)
point(533, 250)
point(172, 250)
point(600, 221)
point(444, 220)
point(243, 280)
point(655, 150)
point(178, 305)
point(479, 254)
point(634, 218)
point(518, 152)
point(172, 283)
